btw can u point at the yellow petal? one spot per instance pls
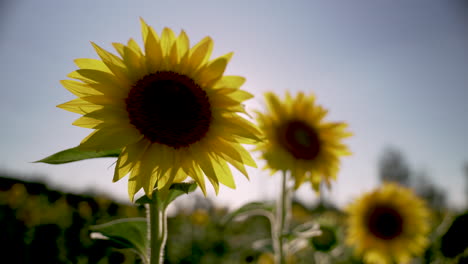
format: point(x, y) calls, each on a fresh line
point(78, 88)
point(241, 127)
point(105, 100)
point(205, 164)
point(183, 44)
point(101, 81)
point(212, 72)
point(133, 62)
point(146, 30)
point(229, 82)
point(134, 183)
point(87, 122)
point(200, 53)
point(153, 51)
point(91, 64)
point(222, 101)
point(173, 58)
point(149, 163)
point(241, 95)
point(223, 172)
point(167, 39)
point(110, 114)
point(197, 174)
point(110, 138)
point(79, 106)
point(114, 63)
point(235, 151)
point(238, 165)
point(133, 45)
point(128, 157)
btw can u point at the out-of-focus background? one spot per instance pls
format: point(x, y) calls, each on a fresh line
point(395, 71)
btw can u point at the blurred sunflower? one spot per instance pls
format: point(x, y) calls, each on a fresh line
point(388, 225)
point(300, 141)
point(169, 108)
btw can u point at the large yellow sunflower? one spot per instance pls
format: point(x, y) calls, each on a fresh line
point(388, 225)
point(297, 139)
point(168, 107)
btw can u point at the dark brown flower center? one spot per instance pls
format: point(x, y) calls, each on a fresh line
point(299, 139)
point(169, 108)
point(385, 222)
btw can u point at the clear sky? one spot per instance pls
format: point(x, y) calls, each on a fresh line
point(396, 71)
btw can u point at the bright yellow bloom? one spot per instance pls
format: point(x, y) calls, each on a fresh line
point(168, 107)
point(297, 139)
point(388, 225)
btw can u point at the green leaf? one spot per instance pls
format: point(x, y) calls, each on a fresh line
point(75, 154)
point(251, 209)
point(176, 190)
point(128, 233)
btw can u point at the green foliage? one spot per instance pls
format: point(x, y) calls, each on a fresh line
point(251, 209)
point(326, 241)
point(76, 154)
point(36, 220)
point(40, 225)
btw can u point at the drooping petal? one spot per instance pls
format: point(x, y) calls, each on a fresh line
point(223, 172)
point(128, 158)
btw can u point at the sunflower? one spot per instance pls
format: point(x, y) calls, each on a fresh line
point(168, 107)
point(297, 139)
point(388, 225)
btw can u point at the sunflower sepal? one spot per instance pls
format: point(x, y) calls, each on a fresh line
point(165, 197)
point(77, 154)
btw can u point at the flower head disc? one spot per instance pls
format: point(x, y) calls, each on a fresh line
point(168, 107)
point(297, 139)
point(388, 225)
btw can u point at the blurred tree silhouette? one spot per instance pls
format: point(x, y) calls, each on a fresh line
point(393, 167)
point(426, 189)
point(466, 184)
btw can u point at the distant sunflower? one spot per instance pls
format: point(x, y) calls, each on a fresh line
point(169, 108)
point(388, 225)
point(297, 139)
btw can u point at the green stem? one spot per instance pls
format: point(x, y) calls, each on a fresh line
point(282, 221)
point(157, 231)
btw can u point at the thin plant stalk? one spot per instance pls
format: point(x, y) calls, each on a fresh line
point(157, 231)
point(282, 221)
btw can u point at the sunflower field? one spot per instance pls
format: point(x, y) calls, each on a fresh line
point(43, 224)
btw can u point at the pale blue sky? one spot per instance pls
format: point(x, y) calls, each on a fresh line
point(396, 71)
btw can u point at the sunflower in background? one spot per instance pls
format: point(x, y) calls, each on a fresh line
point(300, 141)
point(168, 107)
point(388, 225)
